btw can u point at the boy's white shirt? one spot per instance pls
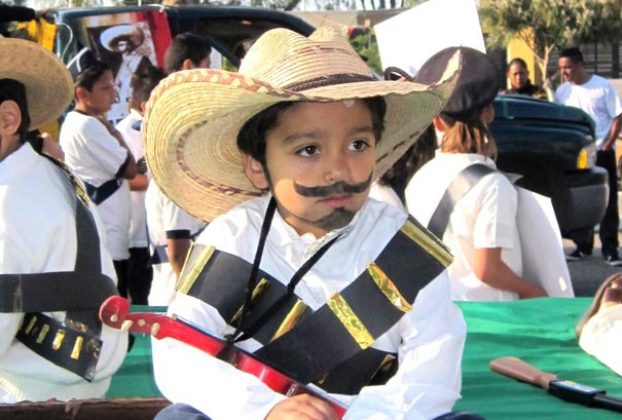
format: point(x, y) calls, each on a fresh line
point(164, 216)
point(50, 247)
point(134, 140)
point(95, 156)
point(430, 338)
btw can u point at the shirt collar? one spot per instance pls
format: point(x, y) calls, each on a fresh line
point(287, 235)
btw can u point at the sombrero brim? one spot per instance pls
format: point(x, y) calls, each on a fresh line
point(108, 34)
point(193, 119)
point(49, 87)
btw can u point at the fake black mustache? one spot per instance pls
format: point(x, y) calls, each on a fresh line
point(334, 189)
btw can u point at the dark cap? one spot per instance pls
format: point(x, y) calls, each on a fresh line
point(477, 85)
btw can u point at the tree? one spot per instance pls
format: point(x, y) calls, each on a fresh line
point(545, 25)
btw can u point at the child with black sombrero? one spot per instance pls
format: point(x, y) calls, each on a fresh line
point(297, 265)
point(54, 270)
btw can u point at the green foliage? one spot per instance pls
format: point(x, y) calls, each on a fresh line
point(554, 23)
point(276, 4)
point(367, 47)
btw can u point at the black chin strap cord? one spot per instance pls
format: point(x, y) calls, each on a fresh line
point(252, 281)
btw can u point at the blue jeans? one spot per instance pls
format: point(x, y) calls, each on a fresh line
point(186, 412)
point(180, 412)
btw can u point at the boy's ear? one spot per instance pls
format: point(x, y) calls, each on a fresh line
point(10, 118)
point(187, 64)
point(81, 93)
point(439, 124)
point(254, 172)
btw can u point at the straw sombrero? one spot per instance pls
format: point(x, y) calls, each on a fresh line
point(49, 88)
point(193, 117)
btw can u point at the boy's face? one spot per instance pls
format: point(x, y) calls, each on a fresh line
point(103, 95)
point(320, 159)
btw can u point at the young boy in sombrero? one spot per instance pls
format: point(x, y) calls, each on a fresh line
point(298, 266)
point(54, 270)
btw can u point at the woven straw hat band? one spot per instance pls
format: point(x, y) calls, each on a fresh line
point(296, 60)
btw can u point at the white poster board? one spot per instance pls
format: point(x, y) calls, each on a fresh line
point(544, 262)
point(410, 38)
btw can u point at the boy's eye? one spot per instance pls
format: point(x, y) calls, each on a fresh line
point(308, 151)
point(359, 145)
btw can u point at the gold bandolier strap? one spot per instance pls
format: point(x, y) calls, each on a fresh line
point(71, 346)
point(353, 319)
point(331, 342)
point(220, 280)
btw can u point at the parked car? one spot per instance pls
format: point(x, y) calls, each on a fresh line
point(230, 29)
point(553, 147)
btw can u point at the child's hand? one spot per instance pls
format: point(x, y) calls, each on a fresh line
point(302, 407)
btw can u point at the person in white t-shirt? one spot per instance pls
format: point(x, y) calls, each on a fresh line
point(598, 98)
point(96, 153)
point(139, 268)
point(481, 229)
point(51, 253)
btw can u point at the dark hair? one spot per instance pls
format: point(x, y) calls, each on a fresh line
point(91, 74)
point(517, 60)
point(416, 156)
point(142, 84)
point(573, 53)
point(12, 90)
point(252, 136)
point(185, 46)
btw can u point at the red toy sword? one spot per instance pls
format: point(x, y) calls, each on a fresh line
point(114, 313)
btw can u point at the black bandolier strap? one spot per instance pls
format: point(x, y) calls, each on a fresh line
point(458, 187)
point(159, 254)
point(330, 346)
point(100, 194)
point(73, 344)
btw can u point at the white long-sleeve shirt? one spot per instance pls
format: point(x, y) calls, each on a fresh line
point(38, 235)
point(429, 339)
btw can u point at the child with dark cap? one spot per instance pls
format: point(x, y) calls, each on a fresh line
point(479, 224)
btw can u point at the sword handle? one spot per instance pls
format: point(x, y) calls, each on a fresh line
point(518, 369)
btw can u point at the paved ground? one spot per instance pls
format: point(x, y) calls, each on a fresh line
point(588, 274)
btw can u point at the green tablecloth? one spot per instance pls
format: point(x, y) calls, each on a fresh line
point(539, 331)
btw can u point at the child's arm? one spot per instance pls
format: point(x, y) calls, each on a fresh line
point(427, 383)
